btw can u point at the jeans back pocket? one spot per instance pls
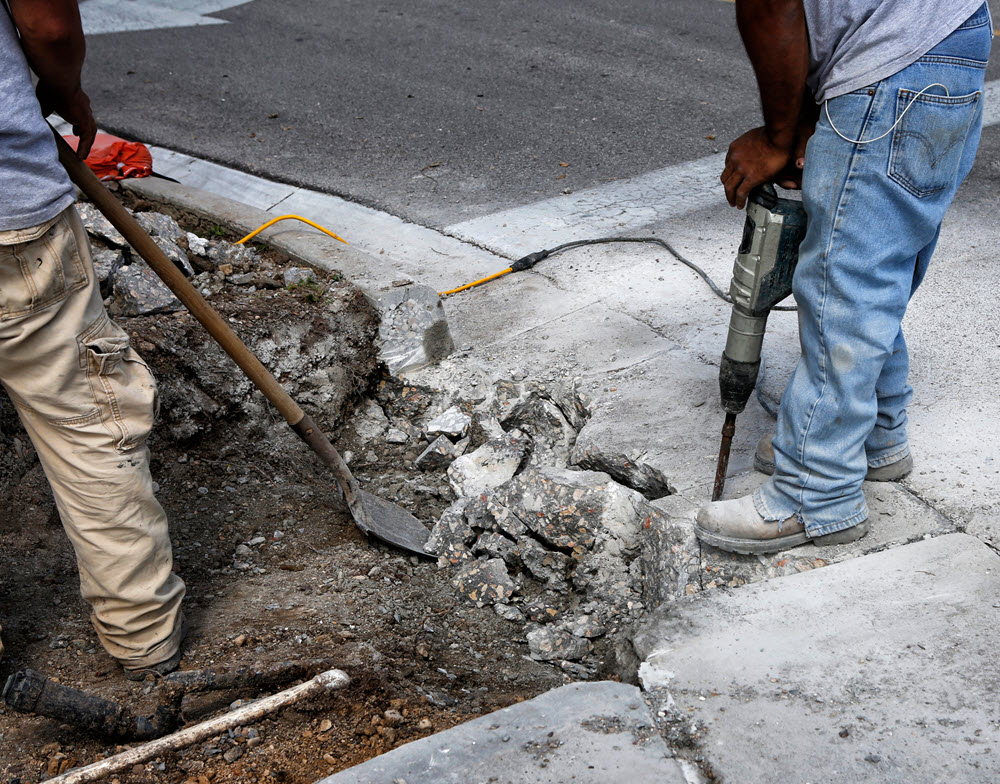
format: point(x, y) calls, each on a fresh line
point(929, 141)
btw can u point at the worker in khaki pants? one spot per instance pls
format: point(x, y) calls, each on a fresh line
point(85, 397)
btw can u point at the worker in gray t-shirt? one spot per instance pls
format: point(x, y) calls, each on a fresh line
point(84, 396)
point(33, 186)
point(873, 108)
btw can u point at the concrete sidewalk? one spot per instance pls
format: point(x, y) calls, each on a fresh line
point(643, 334)
point(881, 670)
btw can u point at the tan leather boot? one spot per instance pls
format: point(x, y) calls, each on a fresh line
point(736, 527)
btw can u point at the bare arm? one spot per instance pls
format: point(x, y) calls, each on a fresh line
point(52, 38)
point(774, 34)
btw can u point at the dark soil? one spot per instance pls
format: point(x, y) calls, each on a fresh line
point(314, 588)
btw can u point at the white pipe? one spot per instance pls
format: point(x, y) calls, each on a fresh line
point(328, 681)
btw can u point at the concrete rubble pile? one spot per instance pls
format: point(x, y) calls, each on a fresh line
point(543, 542)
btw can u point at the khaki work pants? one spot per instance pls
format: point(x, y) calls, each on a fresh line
point(87, 401)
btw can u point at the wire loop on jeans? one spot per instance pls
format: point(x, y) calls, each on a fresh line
point(826, 108)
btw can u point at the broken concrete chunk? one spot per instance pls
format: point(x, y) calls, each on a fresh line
point(574, 509)
point(494, 463)
point(494, 545)
point(629, 471)
point(485, 582)
point(548, 644)
point(453, 423)
point(670, 558)
point(451, 536)
point(372, 422)
point(477, 514)
point(485, 427)
point(395, 436)
point(586, 626)
point(508, 612)
point(209, 283)
point(541, 611)
point(414, 330)
point(106, 265)
point(159, 225)
point(546, 565)
point(296, 275)
point(224, 252)
point(96, 224)
point(547, 413)
point(440, 454)
point(551, 432)
point(501, 517)
point(579, 671)
point(176, 255)
point(139, 292)
point(609, 580)
point(197, 245)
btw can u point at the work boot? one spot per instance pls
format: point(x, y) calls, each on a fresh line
point(763, 461)
point(736, 527)
point(164, 667)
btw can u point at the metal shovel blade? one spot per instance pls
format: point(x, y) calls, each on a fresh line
point(393, 524)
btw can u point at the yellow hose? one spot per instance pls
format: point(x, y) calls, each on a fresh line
point(476, 282)
point(270, 223)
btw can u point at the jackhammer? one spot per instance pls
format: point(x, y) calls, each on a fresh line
point(762, 277)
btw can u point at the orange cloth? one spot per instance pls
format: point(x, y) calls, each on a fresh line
point(112, 158)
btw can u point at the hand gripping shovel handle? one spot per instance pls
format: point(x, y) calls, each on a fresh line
point(223, 334)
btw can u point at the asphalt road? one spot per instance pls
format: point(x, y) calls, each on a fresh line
point(438, 111)
point(435, 110)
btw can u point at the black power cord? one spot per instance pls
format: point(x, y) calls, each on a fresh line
point(529, 261)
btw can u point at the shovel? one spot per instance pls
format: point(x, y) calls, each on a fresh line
point(373, 515)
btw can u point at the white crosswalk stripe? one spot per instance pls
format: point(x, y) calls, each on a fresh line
point(118, 16)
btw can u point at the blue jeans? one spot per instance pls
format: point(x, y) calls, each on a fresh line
point(875, 211)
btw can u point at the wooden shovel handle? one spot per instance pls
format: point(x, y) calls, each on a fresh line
point(137, 237)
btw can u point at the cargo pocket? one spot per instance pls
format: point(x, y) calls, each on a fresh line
point(39, 270)
point(928, 143)
point(123, 385)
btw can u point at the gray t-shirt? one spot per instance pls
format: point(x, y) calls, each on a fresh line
point(855, 43)
point(34, 187)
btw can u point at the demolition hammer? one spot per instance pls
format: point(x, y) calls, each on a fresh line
point(762, 277)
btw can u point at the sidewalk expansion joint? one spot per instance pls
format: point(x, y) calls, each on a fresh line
point(906, 488)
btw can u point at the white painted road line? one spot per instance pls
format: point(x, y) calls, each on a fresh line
point(621, 207)
point(118, 16)
point(616, 208)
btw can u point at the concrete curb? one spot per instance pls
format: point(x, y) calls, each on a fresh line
point(411, 339)
point(311, 247)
